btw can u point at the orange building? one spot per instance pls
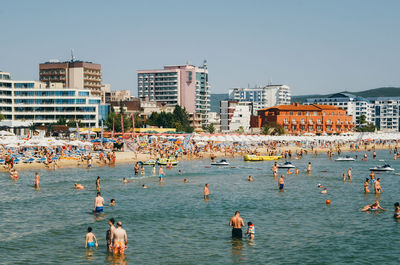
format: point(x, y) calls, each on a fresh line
point(300, 119)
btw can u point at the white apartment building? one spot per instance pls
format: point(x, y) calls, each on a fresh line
point(262, 97)
point(215, 119)
point(355, 106)
point(387, 113)
point(235, 114)
point(40, 103)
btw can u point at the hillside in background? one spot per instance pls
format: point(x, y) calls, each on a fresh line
point(371, 93)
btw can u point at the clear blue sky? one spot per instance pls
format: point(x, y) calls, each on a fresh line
point(313, 46)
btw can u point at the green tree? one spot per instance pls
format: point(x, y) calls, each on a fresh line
point(272, 128)
point(211, 128)
point(179, 120)
point(2, 117)
point(61, 121)
point(72, 123)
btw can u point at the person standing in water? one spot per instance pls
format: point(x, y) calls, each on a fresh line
point(91, 240)
point(98, 203)
point(109, 233)
point(120, 239)
point(237, 223)
point(281, 182)
point(377, 184)
point(98, 183)
point(366, 185)
point(309, 168)
point(37, 180)
point(206, 192)
point(349, 174)
point(161, 173)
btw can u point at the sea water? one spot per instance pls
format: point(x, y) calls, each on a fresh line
point(171, 223)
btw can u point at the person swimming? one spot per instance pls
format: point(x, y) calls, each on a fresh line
point(372, 207)
point(91, 240)
point(185, 180)
point(144, 186)
point(324, 191)
point(79, 186)
point(396, 210)
point(250, 179)
point(112, 202)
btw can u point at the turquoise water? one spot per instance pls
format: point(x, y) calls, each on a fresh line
point(172, 224)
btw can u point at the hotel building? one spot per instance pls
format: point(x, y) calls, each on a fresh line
point(386, 113)
point(73, 74)
point(235, 114)
point(184, 85)
point(40, 103)
point(262, 97)
point(300, 119)
point(355, 106)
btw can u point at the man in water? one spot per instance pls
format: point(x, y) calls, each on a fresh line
point(91, 240)
point(349, 174)
point(79, 186)
point(98, 183)
point(37, 180)
point(109, 233)
point(161, 173)
point(250, 179)
point(206, 192)
point(237, 223)
point(98, 204)
point(120, 239)
point(136, 168)
point(281, 182)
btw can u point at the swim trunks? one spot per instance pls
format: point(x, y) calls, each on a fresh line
point(90, 245)
point(161, 176)
point(206, 196)
point(98, 210)
point(119, 247)
point(281, 186)
point(237, 233)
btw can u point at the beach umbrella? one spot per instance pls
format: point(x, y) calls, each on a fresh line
point(221, 138)
point(213, 138)
point(180, 137)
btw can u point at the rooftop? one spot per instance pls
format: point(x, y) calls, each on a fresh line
point(298, 107)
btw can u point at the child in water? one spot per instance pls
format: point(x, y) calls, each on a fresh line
point(250, 230)
point(91, 240)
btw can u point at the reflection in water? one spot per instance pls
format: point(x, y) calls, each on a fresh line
point(89, 254)
point(116, 259)
point(237, 250)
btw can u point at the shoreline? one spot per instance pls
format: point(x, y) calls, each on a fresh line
point(124, 158)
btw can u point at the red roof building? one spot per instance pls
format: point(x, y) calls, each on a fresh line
point(300, 119)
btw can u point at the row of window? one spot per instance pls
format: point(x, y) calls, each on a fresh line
point(54, 109)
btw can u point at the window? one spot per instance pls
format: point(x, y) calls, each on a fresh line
point(94, 101)
point(83, 93)
point(299, 113)
point(290, 112)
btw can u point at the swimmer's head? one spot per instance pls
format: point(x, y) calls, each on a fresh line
point(249, 223)
point(397, 204)
point(112, 200)
point(366, 179)
point(237, 212)
point(89, 229)
point(98, 193)
point(98, 177)
point(112, 220)
point(119, 224)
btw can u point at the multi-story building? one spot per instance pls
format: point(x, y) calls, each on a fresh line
point(355, 106)
point(72, 74)
point(262, 97)
point(215, 119)
point(235, 115)
point(386, 113)
point(40, 103)
point(300, 119)
point(108, 95)
point(184, 85)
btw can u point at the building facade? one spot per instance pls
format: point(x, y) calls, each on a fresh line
point(72, 74)
point(40, 103)
point(184, 85)
point(355, 106)
point(386, 113)
point(235, 115)
point(262, 97)
point(299, 119)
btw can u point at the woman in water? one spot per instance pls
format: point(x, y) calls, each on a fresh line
point(396, 210)
point(372, 207)
point(366, 184)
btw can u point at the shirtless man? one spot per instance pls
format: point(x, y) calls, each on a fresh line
point(281, 182)
point(250, 179)
point(349, 174)
point(206, 192)
point(98, 204)
point(109, 233)
point(37, 180)
point(161, 173)
point(136, 168)
point(120, 239)
point(237, 223)
point(98, 184)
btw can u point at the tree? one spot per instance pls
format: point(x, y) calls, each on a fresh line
point(72, 123)
point(61, 121)
point(2, 117)
point(363, 125)
point(179, 120)
point(272, 128)
point(49, 129)
point(211, 128)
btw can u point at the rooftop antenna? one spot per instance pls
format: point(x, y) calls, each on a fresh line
point(72, 55)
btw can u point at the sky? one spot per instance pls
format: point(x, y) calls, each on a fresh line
point(312, 46)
